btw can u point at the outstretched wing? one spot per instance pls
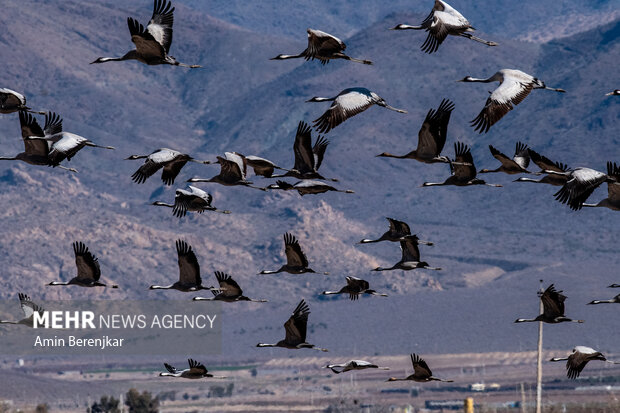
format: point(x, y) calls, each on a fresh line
point(53, 124)
point(229, 169)
point(189, 269)
point(346, 105)
point(160, 26)
point(170, 368)
point(302, 148)
point(440, 25)
point(553, 302)
point(510, 92)
point(28, 307)
point(522, 155)
point(432, 134)
point(357, 284)
point(182, 201)
point(465, 170)
point(576, 363)
point(613, 189)
point(10, 98)
point(296, 325)
point(148, 169)
point(547, 164)
point(500, 156)
point(146, 45)
point(420, 368)
point(410, 250)
point(87, 264)
point(322, 44)
point(319, 151)
point(30, 127)
point(579, 187)
point(228, 286)
point(237, 164)
point(196, 368)
point(398, 228)
point(294, 255)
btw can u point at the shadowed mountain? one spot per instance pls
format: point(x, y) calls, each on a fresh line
point(241, 101)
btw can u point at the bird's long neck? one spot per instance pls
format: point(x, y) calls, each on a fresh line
point(369, 241)
point(289, 56)
point(159, 203)
point(8, 322)
point(202, 299)
point(433, 183)
point(138, 157)
point(131, 55)
point(408, 27)
point(266, 345)
point(109, 59)
point(320, 99)
point(94, 145)
point(161, 287)
point(389, 155)
point(170, 374)
point(59, 283)
point(8, 159)
point(395, 379)
point(602, 301)
point(525, 320)
point(524, 179)
point(486, 171)
point(202, 180)
point(385, 269)
point(475, 79)
point(559, 359)
point(330, 292)
point(271, 272)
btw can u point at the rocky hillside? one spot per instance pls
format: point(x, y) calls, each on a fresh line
point(492, 243)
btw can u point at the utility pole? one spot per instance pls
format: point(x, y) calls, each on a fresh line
point(539, 361)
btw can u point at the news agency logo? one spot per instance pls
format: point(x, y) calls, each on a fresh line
point(114, 327)
point(88, 320)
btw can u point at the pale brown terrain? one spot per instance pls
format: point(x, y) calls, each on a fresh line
point(300, 384)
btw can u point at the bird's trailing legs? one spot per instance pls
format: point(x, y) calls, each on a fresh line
point(477, 39)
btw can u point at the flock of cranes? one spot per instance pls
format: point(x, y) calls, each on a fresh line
point(51, 146)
